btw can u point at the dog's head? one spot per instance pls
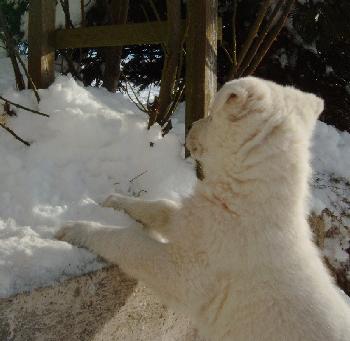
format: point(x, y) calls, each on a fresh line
point(247, 113)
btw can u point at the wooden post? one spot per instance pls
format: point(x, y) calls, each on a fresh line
point(171, 60)
point(41, 52)
point(201, 55)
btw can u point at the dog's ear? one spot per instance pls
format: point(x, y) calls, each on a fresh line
point(312, 108)
point(229, 94)
point(318, 104)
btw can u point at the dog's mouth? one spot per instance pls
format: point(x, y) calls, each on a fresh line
point(199, 171)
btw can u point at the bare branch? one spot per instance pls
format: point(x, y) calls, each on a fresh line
point(138, 176)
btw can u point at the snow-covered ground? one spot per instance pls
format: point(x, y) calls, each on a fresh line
point(95, 143)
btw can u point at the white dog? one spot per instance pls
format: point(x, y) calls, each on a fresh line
point(237, 256)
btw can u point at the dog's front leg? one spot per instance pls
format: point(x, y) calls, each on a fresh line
point(130, 248)
point(152, 214)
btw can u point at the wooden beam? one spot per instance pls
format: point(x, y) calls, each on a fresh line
point(41, 53)
point(201, 56)
point(115, 35)
point(112, 35)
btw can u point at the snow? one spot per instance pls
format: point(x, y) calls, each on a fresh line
point(331, 164)
point(95, 143)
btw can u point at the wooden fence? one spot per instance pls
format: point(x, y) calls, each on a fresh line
point(202, 34)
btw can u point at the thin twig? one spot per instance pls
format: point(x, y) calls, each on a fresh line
point(24, 108)
point(14, 134)
point(137, 176)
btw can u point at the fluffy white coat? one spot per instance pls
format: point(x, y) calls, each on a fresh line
point(237, 256)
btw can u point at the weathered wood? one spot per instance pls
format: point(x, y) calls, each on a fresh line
point(171, 61)
point(201, 56)
point(41, 52)
point(115, 35)
point(111, 35)
point(118, 15)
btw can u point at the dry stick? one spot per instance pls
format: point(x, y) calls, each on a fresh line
point(24, 108)
point(14, 135)
point(138, 176)
point(234, 34)
point(270, 38)
point(251, 36)
point(254, 48)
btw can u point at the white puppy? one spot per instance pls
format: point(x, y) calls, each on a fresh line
point(237, 256)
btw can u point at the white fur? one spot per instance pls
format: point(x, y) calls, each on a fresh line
point(237, 256)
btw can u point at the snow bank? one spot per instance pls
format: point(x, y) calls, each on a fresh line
point(94, 143)
point(331, 165)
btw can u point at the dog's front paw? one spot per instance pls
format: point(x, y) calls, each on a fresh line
point(75, 233)
point(116, 201)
